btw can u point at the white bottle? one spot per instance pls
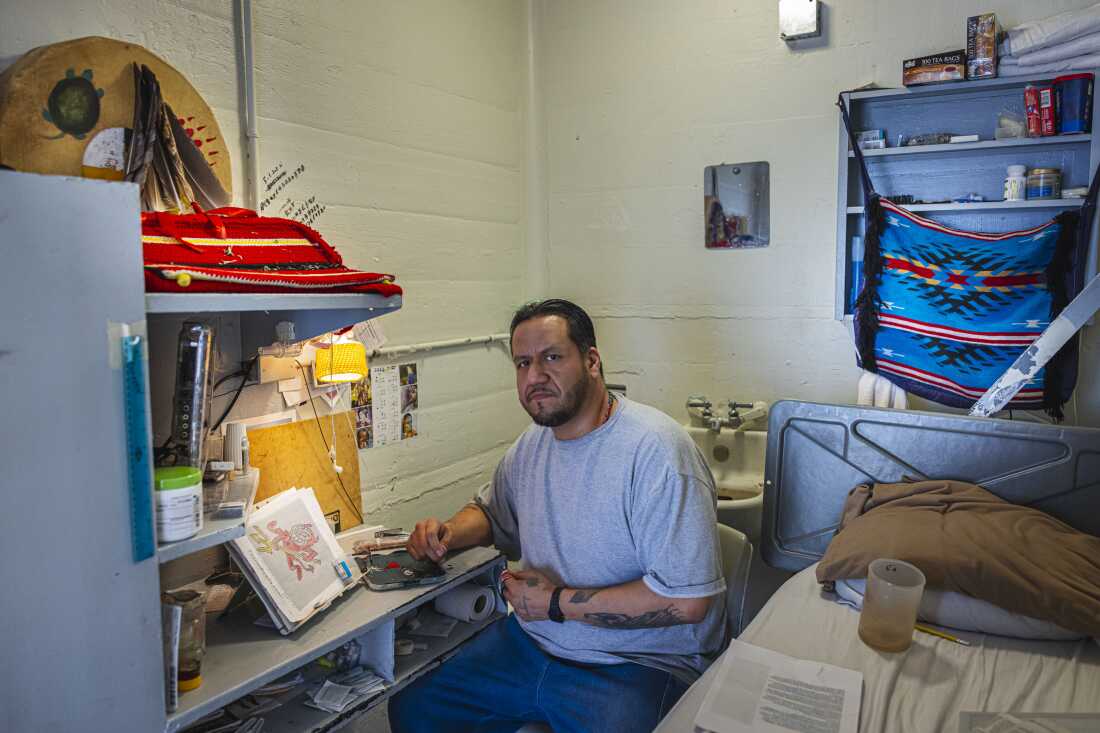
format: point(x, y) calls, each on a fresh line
point(1016, 183)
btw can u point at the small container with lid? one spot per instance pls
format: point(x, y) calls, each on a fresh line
point(1044, 183)
point(1016, 183)
point(179, 502)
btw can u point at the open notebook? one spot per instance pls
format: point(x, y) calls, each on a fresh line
point(292, 559)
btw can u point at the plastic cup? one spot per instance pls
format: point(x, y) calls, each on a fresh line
point(894, 590)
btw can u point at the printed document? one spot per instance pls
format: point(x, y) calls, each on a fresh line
point(757, 689)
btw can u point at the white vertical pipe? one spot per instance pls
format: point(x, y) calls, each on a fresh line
point(242, 13)
point(536, 202)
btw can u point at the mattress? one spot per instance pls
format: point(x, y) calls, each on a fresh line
point(925, 688)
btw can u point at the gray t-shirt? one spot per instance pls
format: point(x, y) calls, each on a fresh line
point(631, 499)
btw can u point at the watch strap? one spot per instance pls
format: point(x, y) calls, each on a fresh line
point(554, 611)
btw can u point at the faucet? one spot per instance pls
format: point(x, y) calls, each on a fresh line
point(734, 417)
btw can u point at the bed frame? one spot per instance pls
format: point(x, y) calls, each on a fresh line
point(817, 453)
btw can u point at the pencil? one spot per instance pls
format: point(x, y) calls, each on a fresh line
point(941, 634)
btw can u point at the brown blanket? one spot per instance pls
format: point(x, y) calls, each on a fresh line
point(967, 540)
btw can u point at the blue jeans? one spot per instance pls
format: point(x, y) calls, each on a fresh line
point(501, 680)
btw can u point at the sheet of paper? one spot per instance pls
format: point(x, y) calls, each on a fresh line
point(760, 691)
point(370, 334)
point(386, 391)
point(291, 385)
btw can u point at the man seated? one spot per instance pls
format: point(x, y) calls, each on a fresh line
point(620, 604)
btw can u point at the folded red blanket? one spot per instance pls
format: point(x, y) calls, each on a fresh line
point(233, 250)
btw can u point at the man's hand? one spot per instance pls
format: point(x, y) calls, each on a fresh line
point(529, 593)
point(429, 540)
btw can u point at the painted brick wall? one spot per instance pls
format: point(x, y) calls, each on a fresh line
point(640, 95)
point(409, 119)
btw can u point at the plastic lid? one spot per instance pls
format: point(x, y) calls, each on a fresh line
point(1017, 170)
point(176, 477)
point(1071, 77)
point(192, 683)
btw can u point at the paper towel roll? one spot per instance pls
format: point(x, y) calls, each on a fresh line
point(467, 602)
point(234, 435)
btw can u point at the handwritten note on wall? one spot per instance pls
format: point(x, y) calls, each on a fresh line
point(278, 184)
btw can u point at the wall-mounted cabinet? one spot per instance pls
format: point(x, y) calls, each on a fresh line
point(950, 171)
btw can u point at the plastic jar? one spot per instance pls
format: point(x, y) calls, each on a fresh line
point(178, 502)
point(1016, 183)
point(1044, 183)
point(1074, 101)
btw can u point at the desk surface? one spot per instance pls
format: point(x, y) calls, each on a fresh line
point(241, 656)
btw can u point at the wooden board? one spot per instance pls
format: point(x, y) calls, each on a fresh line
point(294, 455)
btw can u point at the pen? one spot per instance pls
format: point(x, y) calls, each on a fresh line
point(941, 634)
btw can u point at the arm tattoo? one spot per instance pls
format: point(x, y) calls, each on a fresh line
point(584, 596)
point(669, 616)
point(532, 582)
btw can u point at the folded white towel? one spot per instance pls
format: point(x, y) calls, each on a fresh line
point(1010, 66)
point(1036, 34)
point(1082, 46)
point(878, 391)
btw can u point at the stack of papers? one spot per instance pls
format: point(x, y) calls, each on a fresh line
point(292, 559)
point(340, 692)
point(757, 689)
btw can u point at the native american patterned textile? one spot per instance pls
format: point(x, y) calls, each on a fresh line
point(949, 311)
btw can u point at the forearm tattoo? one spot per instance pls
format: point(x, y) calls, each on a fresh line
point(668, 616)
point(584, 596)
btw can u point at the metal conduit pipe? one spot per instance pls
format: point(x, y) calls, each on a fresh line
point(242, 16)
point(435, 345)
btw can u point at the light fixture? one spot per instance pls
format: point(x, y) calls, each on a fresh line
point(340, 362)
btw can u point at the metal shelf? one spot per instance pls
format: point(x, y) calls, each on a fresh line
point(980, 145)
point(213, 532)
point(230, 302)
point(987, 205)
point(293, 716)
point(241, 656)
point(312, 314)
point(953, 87)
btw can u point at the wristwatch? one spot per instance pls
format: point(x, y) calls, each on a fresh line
point(555, 606)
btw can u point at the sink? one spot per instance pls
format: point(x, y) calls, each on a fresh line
point(736, 459)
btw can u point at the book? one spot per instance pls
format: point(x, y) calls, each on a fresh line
point(292, 559)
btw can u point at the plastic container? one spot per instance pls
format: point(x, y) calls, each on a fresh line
point(1073, 93)
point(192, 644)
point(1016, 183)
point(1044, 183)
point(894, 590)
point(178, 502)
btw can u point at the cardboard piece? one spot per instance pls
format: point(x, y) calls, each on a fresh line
point(294, 455)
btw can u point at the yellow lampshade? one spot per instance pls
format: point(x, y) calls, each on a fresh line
point(340, 363)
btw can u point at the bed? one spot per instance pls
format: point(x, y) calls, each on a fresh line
point(816, 454)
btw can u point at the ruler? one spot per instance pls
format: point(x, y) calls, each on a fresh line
point(139, 463)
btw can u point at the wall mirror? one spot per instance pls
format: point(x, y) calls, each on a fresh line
point(736, 205)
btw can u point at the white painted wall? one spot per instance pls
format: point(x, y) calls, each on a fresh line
point(410, 118)
point(640, 95)
point(445, 156)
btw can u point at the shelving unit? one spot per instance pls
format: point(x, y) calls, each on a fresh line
point(241, 656)
point(935, 172)
point(988, 206)
point(952, 148)
point(295, 717)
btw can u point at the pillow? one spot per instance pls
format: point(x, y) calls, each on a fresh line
point(967, 540)
point(956, 611)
